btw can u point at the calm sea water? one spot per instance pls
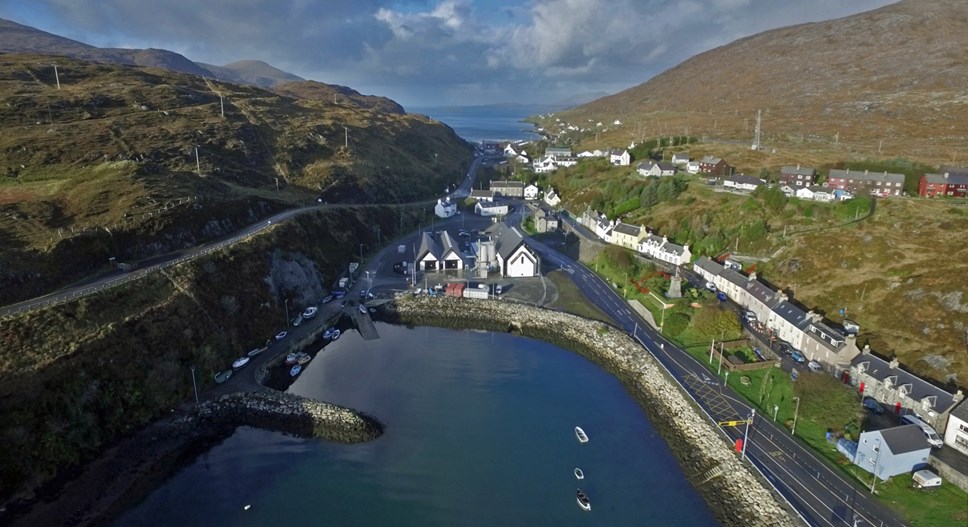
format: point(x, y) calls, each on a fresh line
point(487, 123)
point(479, 432)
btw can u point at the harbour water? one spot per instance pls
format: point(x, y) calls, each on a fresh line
point(479, 432)
point(500, 122)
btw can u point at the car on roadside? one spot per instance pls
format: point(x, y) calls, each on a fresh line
point(711, 286)
point(871, 404)
point(797, 356)
point(786, 348)
point(326, 299)
point(309, 313)
point(815, 366)
point(750, 316)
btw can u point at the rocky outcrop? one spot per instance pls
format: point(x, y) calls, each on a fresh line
point(291, 414)
point(732, 490)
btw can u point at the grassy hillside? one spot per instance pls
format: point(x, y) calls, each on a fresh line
point(899, 272)
point(106, 165)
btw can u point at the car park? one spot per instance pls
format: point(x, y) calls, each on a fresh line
point(797, 356)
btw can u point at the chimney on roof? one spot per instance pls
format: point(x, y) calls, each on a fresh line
point(798, 166)
point(781, 296)
point(959, 395)
point(752, 276)
point(946, 175)
point(865, 171)
point(867, 349)
point(894, 364)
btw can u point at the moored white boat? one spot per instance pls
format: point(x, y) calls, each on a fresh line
point(581, 435)
point(303, 358)
point(336, 335)
point(240, 362)
point(579, 474)
point(295, 370)
point(583, 501)
point(328, 334)
point(291, 358)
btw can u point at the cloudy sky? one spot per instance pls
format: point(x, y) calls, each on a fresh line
point(432, 52)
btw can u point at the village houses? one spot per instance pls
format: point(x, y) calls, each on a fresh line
point(880, 184)
point(551, 198)
point(621, 158)
point(507, 189)
point(651, 168)
point(797, 176)
point(950, 184)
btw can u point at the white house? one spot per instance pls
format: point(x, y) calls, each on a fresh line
point(544, 166)
point(788, 191)
point(603, 228)
point(438, 252)
point(680, 158)
point(692, 167)
point(563, 161)
point(660, 248)
point(511, 151)
point(956, 433)
point(555, 152)
point(744, 183)
point(591, 153)
point(490, 209)
point(507, 251)
point(445, 208)
point(551, 197)
point(531, 192)
point(620, 158)
point(804, 193)
point(892, 451)
point(652, 168)
point(521, 158)
point(486, 196)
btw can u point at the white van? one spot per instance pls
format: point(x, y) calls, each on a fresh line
point(911, 419)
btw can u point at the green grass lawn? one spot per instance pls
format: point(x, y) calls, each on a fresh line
point(571, 300)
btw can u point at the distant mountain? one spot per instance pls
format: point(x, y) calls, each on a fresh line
point(18, 38)
point(896, 74)
point(579, 98)
point(253, 72)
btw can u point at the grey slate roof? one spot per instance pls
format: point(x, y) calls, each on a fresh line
point(427, 246)
point(904, 439)
point(880, 369)
point(447, 243)
point(954, 178)
point(627, 229)
point(745, 180)
point(798, 171)
point(760, 291)
point(710, 159)
point(790, 313)
point(506, 239)
point(866, 176)
point(674, 248)
point(710, 266)
point(506, 184)
point(961, 411)
point(477, 193)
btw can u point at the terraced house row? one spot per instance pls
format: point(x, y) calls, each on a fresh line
point(635, 237)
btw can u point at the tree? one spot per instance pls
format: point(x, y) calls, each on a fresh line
point(715, 322)
point(825, 400)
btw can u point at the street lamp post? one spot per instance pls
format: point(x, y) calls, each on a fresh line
point(747, 433)
point(877, 454)
point(793, 430)
point(194, 385)
point(361, 253)
point(287, 312)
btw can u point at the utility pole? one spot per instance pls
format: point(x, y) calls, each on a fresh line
point(756, 133)
point(346, 137)
point(287, 313)
point(221, 103)
point(793, 430)
point(195, 385)
point(57, 77)
point(198, 164)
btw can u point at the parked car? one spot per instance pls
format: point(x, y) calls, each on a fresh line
point(871, 404)
point(711, 286)
point(309, 313)
point(750, 316)
point(815, 366)
point(759, 354)
point(797, 356)
point(786, 348)
point(326, 299)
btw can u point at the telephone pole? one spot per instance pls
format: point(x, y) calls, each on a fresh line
point(56, 76)
point(198, 164)
point(756, 133)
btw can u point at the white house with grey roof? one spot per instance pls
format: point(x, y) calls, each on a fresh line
point(651, 168)
point(508, 189)
point(551, 197)
point(681, 158)
point(484, 208)
point(620, 158)
point(744, 183)
point(901, 390)
point(892, 451)
point(438, 251)
point(660, 248)
point(445, 208)
point(627, 235)
point(531, 192)
point(511, 256)
point(956, 431)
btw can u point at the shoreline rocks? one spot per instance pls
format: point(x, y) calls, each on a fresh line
point(733, 491)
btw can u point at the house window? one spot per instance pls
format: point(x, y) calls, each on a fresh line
point(871, 461)
point(961, 442)
point(962, 428)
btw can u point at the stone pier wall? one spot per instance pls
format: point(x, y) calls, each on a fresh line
point(291, 414)
point(737, 497)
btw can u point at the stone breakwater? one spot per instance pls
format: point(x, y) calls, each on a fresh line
point(291, 414)
point(733, 491)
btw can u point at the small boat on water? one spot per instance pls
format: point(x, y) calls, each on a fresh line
point(581, 435)
point(579, 474)
point(583, 501)
point(291, 358)
point(336, 335)
point(303, 358)
point(328, 334)
point(223, 376)
point(363, 309)
point(295, 370)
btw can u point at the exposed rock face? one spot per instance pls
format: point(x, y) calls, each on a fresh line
point(737, 496)
point(296, 277)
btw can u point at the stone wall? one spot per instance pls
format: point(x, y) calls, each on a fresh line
point(734, 493)
point(291, 414)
